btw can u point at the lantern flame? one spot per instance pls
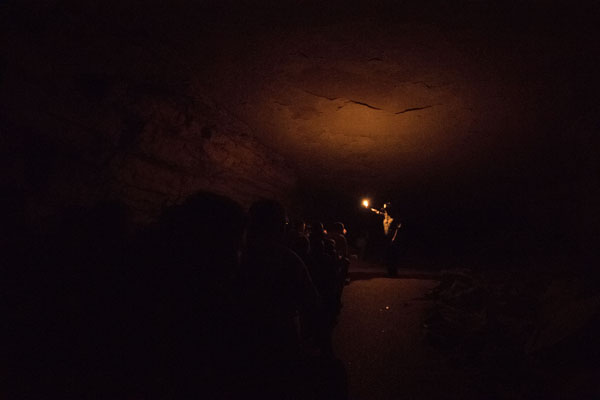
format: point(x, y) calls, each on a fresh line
point(365, 203)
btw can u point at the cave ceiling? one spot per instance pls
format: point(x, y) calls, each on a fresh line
point(365, 97)
point(360, 104)
point(394, 96)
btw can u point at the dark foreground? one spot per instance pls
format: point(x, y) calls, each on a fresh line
point(386, 338)
point(380, 338)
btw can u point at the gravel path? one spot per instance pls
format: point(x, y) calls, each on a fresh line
point(379, 338)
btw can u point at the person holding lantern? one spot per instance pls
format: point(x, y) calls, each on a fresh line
point(390, 229)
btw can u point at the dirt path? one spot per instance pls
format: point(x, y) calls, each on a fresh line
point(379, 337)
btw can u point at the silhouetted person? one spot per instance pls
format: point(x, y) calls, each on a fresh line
point(74, 286)
point(323, 264)
point(14, 230)
point(316, 237)
point(297, 239)
point(391, 226)
point(337, 234)
point(301, 246)
point(165, 326)
point(324, 268)
point(191, 323)
point(277, 290)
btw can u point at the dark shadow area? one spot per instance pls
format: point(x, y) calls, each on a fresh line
point(209, 301)
point(360, 275)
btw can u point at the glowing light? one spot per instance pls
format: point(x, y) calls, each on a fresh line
point(365, 203)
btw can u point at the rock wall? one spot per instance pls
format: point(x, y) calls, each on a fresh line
point(96, 106)
point(100, 138)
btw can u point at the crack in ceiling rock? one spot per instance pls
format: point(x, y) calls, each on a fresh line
point(416, 109)
point(361, 103)
point(321, 96)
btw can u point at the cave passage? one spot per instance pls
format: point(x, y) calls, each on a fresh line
point(190, 170)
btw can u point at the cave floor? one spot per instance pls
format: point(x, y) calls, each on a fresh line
point(380, 339)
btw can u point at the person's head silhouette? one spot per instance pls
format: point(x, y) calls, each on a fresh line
point(267, 220)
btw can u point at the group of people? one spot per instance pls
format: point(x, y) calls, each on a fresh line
point(210, 301)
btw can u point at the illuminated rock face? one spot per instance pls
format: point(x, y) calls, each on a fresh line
point(359, 105)
point(201, 149)
point(150, 104)
point(369, 106)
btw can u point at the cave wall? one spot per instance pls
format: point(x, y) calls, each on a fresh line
point(89, 116)
point(146, 150)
